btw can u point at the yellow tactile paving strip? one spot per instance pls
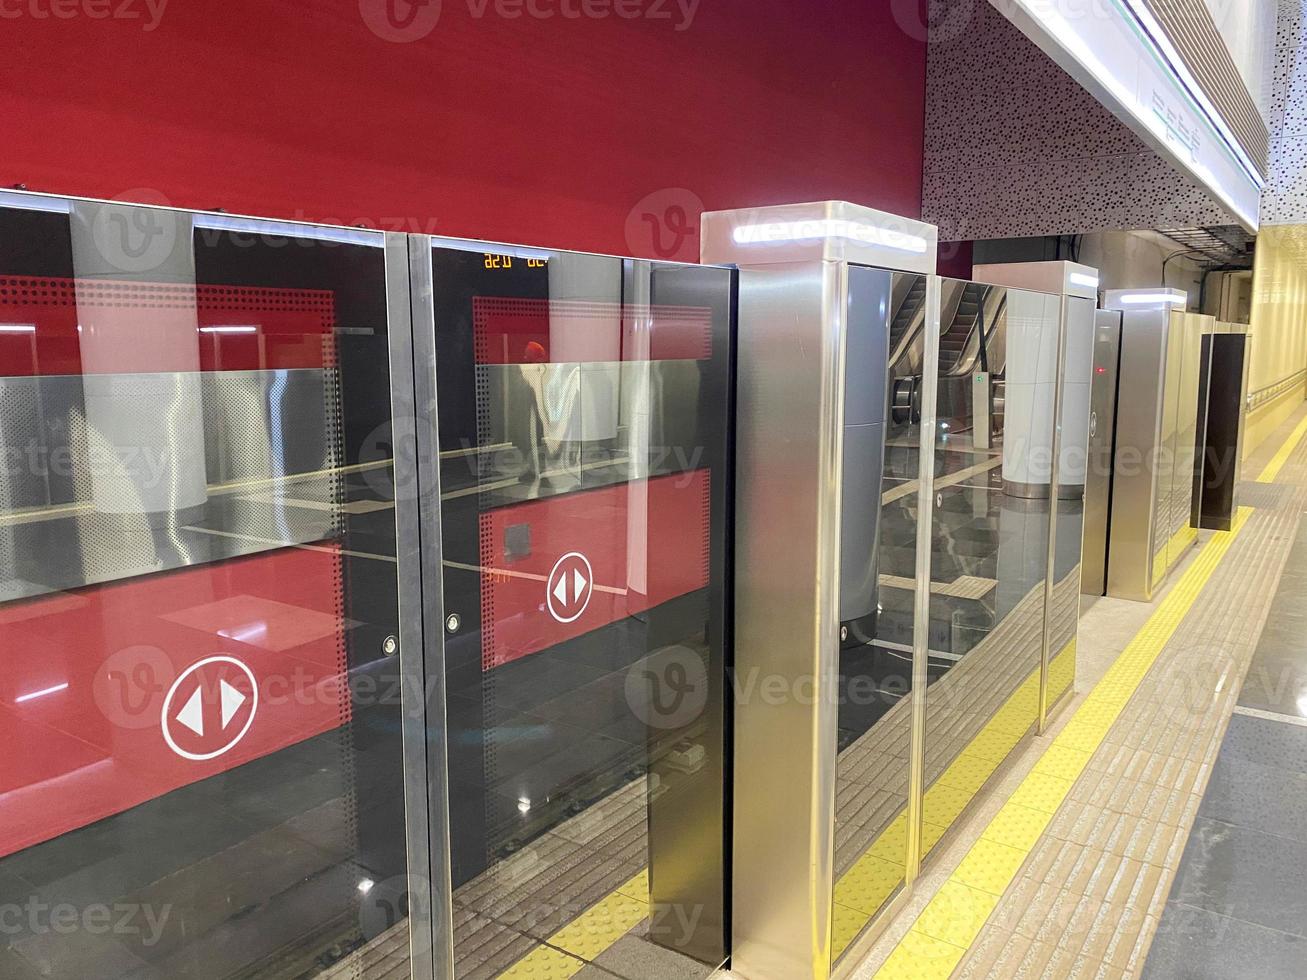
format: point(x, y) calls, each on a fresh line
point(941, 935)
point(865, 887)
point(588, 935)
point(1093, 891)
point(1277, 462)
point(973, 724)
point(976, 715)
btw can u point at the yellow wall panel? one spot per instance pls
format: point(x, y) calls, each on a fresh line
point(1279, 325)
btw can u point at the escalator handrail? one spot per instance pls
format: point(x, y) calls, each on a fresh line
point(913, 331)
point(970, 352)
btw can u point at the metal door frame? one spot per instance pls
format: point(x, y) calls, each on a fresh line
point(418, 551)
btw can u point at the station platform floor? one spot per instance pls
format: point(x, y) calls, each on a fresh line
point(1157, 829)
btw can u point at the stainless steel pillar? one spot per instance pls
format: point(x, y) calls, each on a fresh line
point(790, 443)
point(1155, 432)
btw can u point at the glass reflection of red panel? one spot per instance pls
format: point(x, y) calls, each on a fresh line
point(225, 328)
point(535, 331)
point(86, 676)
point(646, 543)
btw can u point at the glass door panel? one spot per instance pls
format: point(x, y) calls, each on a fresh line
point(197, 584)
point(993, 459)
point(882, 459)
point(584, 419)
point(1069, 521)
point(1183, 533)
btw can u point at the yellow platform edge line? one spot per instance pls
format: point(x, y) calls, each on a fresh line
point(942, 934)
point(1277, 462)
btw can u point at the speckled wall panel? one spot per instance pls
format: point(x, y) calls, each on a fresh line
point(1014, 145)
point(1285, 199)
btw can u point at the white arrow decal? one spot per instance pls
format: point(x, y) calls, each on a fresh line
point(192, 714)
point(578, 580)
point(232, 700)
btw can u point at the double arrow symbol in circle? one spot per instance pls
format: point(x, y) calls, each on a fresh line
point(569, 588)
point(205, 728)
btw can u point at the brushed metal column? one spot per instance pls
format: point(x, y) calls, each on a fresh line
point(421, 604)
point(789, 443)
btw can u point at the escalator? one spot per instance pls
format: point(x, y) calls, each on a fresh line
point(960, 344)
point(973, 339)
point(908, 318)
point(956, 339)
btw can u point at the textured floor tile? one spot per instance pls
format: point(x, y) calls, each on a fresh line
point(1193, 944)
point(1276, 682)
point(637, 959)
point(1265, 798)
point(1242, 873)
point(1268, 743)
point(14, 967)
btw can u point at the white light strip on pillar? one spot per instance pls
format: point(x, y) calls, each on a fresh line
point(1159, 299)
point(770, 232)
point(1083, 279)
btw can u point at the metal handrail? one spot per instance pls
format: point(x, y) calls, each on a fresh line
point(1273, 391)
